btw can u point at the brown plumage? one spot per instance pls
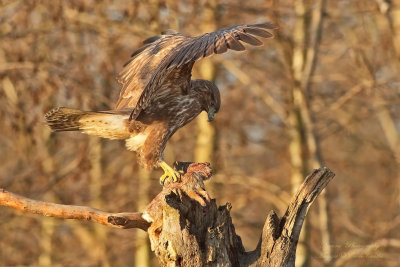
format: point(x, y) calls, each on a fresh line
point(158, 96)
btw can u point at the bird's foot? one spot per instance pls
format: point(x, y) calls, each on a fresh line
point(170, 175)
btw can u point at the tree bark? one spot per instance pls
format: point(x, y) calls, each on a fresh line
point(206, 132)
point(187, 228)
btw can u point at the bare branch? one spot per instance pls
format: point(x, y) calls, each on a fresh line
point(280, 237)
point(118, 220)
point(308, 191)
point(367, 250)
point(244, 78)
point(16, 65)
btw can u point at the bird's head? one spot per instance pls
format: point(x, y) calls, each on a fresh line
point(210, 96)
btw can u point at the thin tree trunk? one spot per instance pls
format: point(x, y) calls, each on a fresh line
point(388, 124)
point(304, 142)
point(45, 242)
point(142, 252)
point(206, 131)
point(96, 183)
point(315, 156)
point(48, 225)
point(297, 132)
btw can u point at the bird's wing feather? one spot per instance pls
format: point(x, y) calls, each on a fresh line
point(140, 67)
point(219, 42)
point(173, 71)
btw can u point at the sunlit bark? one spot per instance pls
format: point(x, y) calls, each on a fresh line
point(95, 190)
point(304, 147)
point(142, 251)
point(205, 141)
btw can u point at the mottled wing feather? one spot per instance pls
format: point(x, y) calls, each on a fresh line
point(233, 43)
point(220, 45)
point(138, 70)
point(174, 70)
point(218, 40)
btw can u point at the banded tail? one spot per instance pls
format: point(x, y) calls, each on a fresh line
point(107, 124)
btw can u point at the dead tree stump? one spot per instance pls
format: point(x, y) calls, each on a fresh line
point(187, 228)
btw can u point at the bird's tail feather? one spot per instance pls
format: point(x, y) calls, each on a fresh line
point(107, 124)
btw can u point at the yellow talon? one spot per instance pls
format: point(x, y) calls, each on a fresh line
point(169, 173)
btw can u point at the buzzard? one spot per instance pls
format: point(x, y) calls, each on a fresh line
point(158, 96)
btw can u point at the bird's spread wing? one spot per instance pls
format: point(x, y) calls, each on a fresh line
point(219, 42)
point(138, 70)
point(173, 70)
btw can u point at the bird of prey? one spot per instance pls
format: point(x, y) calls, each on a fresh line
point(158, 96)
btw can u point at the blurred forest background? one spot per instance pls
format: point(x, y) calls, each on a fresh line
point(325, 91)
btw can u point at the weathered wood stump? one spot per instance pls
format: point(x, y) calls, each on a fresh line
point(187, 228)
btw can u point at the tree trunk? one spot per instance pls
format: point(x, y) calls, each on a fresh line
point(304, 148)
point(95, 191)
point(142, 251)
point(206, 134)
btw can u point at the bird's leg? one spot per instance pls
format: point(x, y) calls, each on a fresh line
point(168, 173)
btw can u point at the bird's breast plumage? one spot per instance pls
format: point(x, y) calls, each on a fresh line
point(160, 121)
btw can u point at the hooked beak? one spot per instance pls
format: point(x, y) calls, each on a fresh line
point(211, 114)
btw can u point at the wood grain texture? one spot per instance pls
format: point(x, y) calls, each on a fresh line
point(118, 220)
